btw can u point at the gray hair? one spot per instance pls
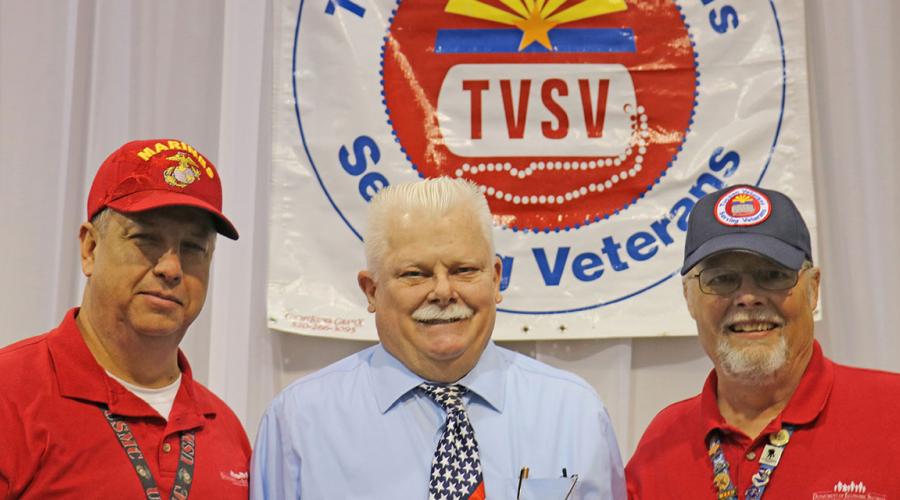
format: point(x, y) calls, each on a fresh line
point(101, 220)
point(433, 197)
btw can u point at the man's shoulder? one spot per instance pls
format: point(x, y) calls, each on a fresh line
point(674, 416)
point(867, 375)
point(224, 413)
point(204, 395)
point(531, 371)
point(861, 382)
point(24, 347)
point(28, 376)
point(33, 354)
point(324, 381)
point(23, 354)
point(667, 435)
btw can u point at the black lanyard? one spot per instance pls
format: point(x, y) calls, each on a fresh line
point(184, 475)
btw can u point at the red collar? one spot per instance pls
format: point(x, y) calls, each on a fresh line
point(805, 405)
point(79, 376)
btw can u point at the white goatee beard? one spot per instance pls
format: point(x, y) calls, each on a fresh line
point(754, 365)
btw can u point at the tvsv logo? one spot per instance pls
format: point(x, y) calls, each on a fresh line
point(564, 112)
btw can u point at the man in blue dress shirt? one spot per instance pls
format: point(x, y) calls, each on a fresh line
point(374, 425)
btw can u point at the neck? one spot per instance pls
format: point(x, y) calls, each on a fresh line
point(143, 361)
point(448, 373)
point(443, 372)
point(751, 405)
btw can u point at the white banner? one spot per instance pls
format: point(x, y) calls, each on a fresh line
point(592, 126)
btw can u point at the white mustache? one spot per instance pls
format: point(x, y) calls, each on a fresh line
point(452, 312)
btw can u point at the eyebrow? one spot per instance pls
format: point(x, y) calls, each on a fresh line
point(407, 264)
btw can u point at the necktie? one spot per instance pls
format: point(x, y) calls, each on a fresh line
point(456, 467)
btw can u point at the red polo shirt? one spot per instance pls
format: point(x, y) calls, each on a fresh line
point(846, 441)
point(56, 443)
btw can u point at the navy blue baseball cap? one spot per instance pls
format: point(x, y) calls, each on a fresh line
point(747, 218)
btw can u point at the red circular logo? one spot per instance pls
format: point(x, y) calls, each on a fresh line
point(742, 206)
point(564, 112)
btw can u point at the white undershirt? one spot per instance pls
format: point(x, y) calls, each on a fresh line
point(160, 399)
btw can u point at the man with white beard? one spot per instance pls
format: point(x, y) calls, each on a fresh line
point(436, 410)
point(775, 418)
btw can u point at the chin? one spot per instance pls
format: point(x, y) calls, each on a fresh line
point(158, 327)
point(447, 349)
point(450, 347)
point(752, 363)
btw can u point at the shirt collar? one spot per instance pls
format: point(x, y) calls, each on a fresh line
point(392, 380)
point(805, 405)
point(487, 379)
point(79, 376)
point(812, 394)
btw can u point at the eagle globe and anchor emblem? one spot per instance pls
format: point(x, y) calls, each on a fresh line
point(184, 173)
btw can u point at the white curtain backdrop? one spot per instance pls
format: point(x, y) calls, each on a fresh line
point(80, 77)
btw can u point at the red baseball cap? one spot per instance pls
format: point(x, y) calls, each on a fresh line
point(148, 174)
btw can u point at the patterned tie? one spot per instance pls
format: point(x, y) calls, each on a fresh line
point(456, 468)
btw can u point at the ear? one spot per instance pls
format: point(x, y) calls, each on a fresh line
point(814, 281)
point(368, 285)
point(687, 296)
point(498, 275)
point(87, 234)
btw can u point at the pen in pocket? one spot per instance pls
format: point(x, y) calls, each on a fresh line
point(523, 475)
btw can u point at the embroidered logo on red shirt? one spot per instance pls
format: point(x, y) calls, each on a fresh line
point(236, 478)
point(853, 489)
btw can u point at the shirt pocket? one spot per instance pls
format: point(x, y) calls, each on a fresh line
point(557, 488)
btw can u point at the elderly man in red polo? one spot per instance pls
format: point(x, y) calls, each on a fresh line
point(776, 419)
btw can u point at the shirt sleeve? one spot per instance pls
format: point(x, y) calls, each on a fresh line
point(18, 461)
point(602, 477)
point(613, 459)
point(275, 467)
point(632, 479)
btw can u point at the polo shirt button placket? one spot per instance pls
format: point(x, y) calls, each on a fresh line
point(168, 458)
point(751, 455)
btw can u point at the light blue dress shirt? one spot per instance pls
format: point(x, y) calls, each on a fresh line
point(359, 429)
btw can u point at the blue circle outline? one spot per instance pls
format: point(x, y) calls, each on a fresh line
point(549, 312)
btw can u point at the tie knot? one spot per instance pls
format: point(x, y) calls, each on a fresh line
point(448, 396)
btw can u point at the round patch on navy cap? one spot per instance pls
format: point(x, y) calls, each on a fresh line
point(742, 206)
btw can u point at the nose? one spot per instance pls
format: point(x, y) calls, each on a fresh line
point(442, 293)
point(748, 294)
point(168, 267)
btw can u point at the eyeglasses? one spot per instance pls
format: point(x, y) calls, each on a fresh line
point(723, 281)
